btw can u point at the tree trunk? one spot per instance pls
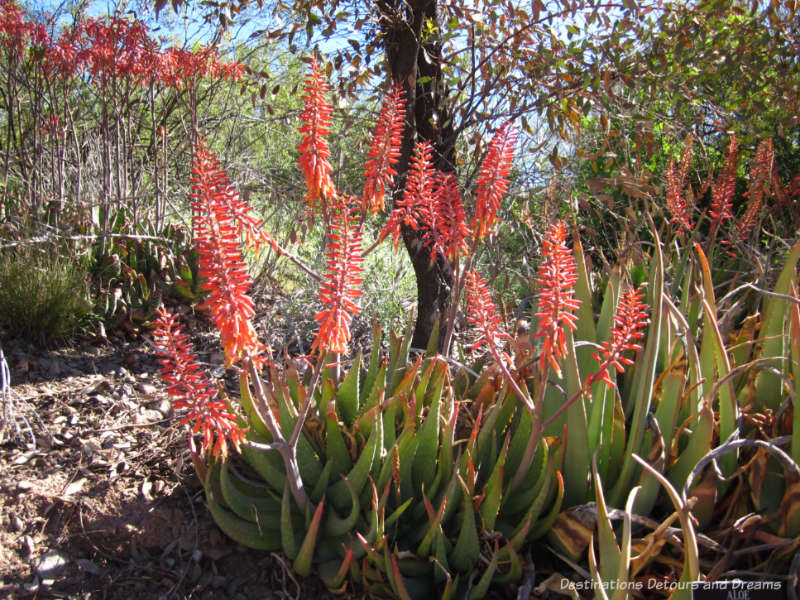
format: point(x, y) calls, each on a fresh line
point(417, 64)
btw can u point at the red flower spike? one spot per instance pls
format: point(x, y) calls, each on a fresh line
point(482, 313)
point(760, 180)
point(557, 277)
point(676, 181)
point(217, 217)
point(339, 289)
point(384, 152)
point(630, 321)
point(723, 188)
point(414, 208)
point(453, 227)
point(314, 152)
point(493, 179)
point(191, 389)
point(14, 30)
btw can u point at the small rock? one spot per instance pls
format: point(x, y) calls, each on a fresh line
point(51, 565)
point(165, 408)
point(89, 566)
point(32, 586)
point(15, 523)
point(29, 546)
point(24, 486)
point(147, 389)
point(90, 448)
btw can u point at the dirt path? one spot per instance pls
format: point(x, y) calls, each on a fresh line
point(98, 498)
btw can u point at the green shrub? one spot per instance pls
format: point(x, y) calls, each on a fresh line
point(43, 293)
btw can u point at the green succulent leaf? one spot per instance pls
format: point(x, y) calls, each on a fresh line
point(467, 548)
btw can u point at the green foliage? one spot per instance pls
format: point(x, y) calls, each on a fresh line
point(408, 465)
point(138, 271)
point(43, 292)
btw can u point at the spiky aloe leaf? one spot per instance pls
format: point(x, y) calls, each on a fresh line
point(347, 396)
point(697, 447)
point(375, 362)
point(335, 446)
point(602, 409)
point(245, 532)
point(643, 377)
point(421, 389)
point(514, 573)
point(493, 490)
point(321, 485)
point(335, 525)
point(611, 556)
point(302, 564)
point(394, 575)
point(288, 540)
point(358, 474)
point(728, 407)
point(398, 356)
point(375, 396)
point(534, 487)
point(772, 338)
point(263, 510)
point(253, 418)
point(424, 469)
point(691, 562)
point(407, 445)
point(467, 549)
point(333, 572)
point(434, 526)
point(794, 337)
point(544, 525)
point(480, 589)
point(578, 453)
point(672, 383)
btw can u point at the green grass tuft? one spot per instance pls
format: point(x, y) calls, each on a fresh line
point(43, 293)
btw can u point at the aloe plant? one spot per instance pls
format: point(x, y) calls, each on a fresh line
point(410, 477)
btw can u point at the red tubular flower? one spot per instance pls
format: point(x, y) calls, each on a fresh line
point(630, 321)
point(314, 152)
point(191, 389)
point(115, 47)
point(384, 152)
point(676, 180)
point(557, 277)
point(482, 313)
point(493, 179)
point(452, 220)
point(760, 180)
point(340, 286)
point(13, 27)
point(723, 188)
point(217, 227)
point(414, 208)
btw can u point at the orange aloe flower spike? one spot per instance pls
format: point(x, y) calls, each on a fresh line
point(384, 152)
point(493, 180)
point(339, 288)
point(314, 152)
point(220, 259)
point(190, 389)
point(557, 305)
